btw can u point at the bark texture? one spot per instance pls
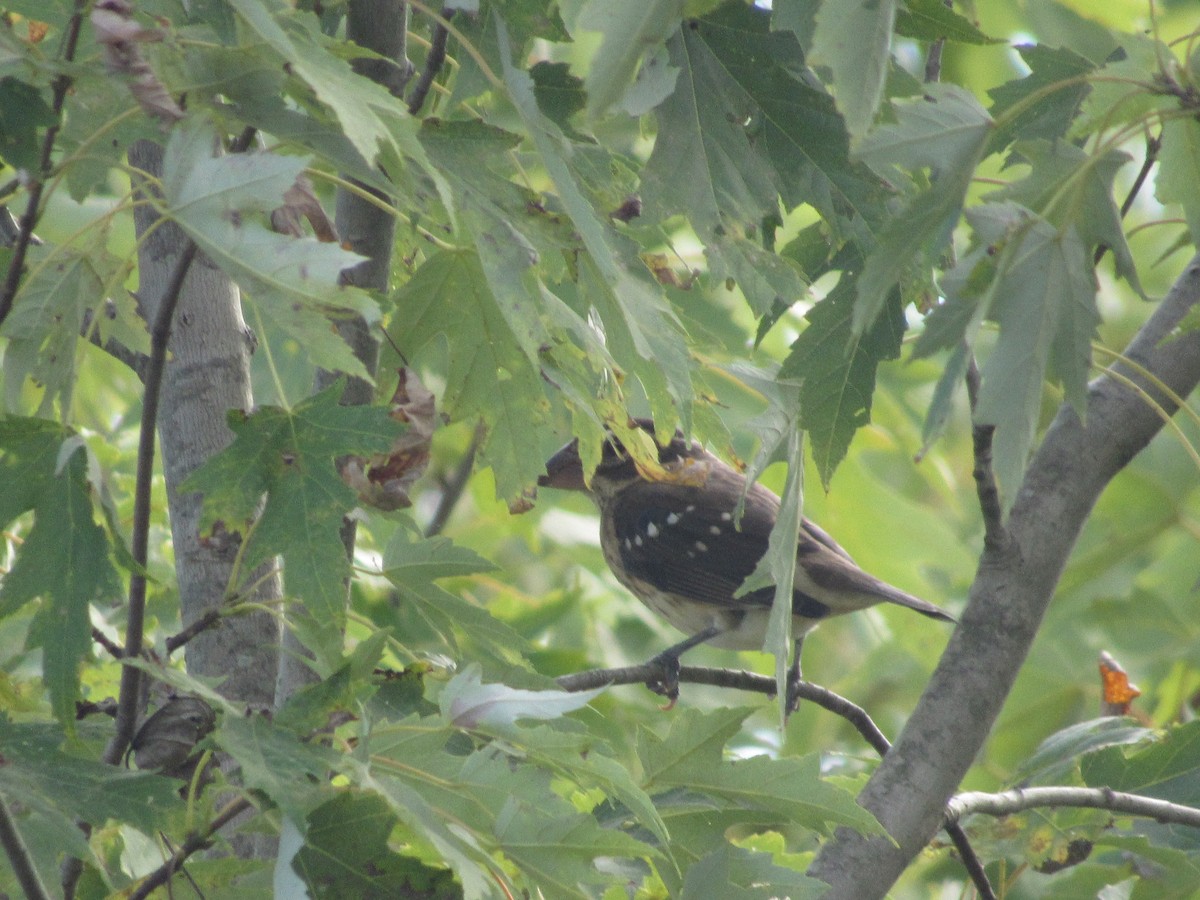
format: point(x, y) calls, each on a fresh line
point(207, 375)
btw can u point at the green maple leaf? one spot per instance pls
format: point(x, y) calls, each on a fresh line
point(836, 366)
point(222, 204)
point(763, 128)
point(289, 455)
point(946, 131)
point(66, 559)
point(691, 756)
point(493, 371)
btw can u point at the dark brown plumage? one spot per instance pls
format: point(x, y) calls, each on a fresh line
point(674, 543)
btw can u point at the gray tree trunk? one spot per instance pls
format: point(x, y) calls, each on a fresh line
point(208, 374)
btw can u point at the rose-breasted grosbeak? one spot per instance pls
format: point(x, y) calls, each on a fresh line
point(676, 544)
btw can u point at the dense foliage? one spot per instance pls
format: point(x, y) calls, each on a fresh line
point(789, 229)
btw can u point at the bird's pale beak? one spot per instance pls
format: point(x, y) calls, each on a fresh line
point(564, 470)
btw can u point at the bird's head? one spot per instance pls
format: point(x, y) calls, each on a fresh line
point(617, 468)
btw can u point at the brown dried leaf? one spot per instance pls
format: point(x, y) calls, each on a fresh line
point(523, 503)
point(300, 201)
point(385, 480)
point(1118, 692)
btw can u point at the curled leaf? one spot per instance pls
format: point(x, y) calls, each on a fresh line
point(385, 479)
point(1118, 692)
point(119, 35)
point(300, 202)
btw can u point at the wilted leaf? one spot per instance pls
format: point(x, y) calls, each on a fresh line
point(1118, 691)
point(300, 202)
point(119, 35)
point(385, 479)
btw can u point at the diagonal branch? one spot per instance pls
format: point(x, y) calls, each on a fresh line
point(195, 842)
point(1013, 586)
point(19, 857)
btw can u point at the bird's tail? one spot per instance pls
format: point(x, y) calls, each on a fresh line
point(924, 607)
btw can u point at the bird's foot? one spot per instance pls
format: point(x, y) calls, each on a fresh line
point(793, 694)
point(794, 680)
point(665, 682)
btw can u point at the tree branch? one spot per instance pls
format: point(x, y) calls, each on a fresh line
point(210, 619)
point(738, 680)
point(1018, 800)
point(434, 60)
point(1013, 586)
point(992, 510)
point(18, 854)
point(130, 690)
point(160, 334)
point(452, 489)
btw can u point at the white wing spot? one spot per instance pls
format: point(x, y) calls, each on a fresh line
point(691, 507)
point(691, 554)
point(726, 516)
point(651, 529)
point(701, 546)
point(637, 539)
point(628, 544)
point(673, 518)
point(714, 529)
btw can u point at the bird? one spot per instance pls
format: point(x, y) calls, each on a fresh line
point(675, 541)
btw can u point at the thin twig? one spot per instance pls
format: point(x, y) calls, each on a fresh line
point(115, 650)
point(18, 854)
point(995, 535)
point(739, 680)
point(160, 333)
point(1153, 145)
point(933, 62)
point(114, 348)
point(434, 60)
point(454, 486)
point(1020, 799)
point(128, 699)
point(210, 619)
point(193, 843)
point(28, 221)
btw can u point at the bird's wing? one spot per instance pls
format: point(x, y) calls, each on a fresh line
point(683, 541)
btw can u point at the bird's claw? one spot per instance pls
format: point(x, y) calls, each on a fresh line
point(666, 682)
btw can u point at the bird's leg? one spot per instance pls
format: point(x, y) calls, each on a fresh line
point(667, 662)
point(794, 678)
